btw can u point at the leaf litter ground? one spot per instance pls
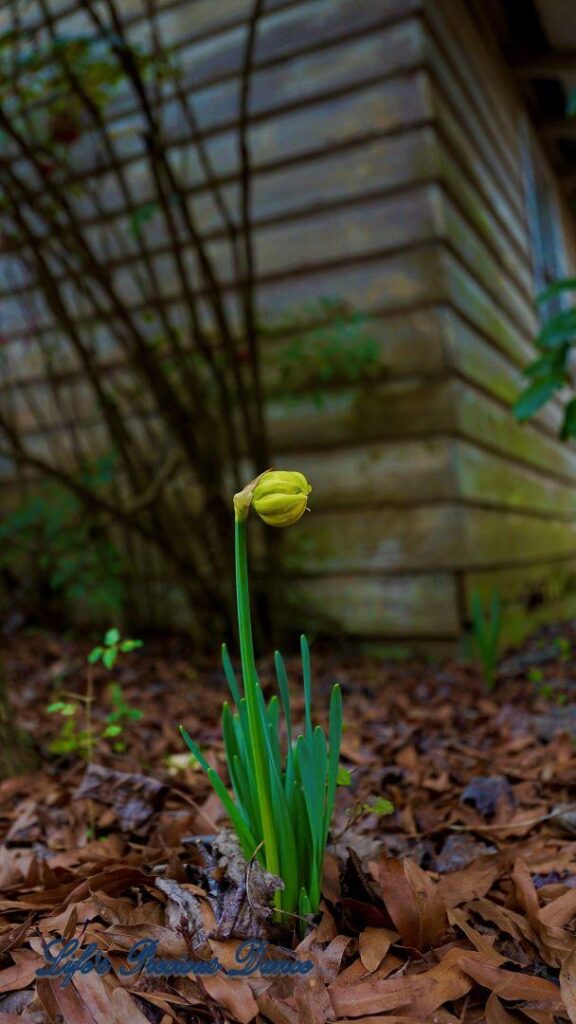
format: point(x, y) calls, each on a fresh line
point(458, 907)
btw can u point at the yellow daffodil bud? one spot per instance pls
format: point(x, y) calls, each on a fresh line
point(280, 496)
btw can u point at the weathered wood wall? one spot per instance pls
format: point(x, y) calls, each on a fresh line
point(388, 158)
point(515, 483)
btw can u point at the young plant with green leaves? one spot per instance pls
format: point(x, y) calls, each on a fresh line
point(486, 635)
point(78, 733)
point(283, 800)
point(552, 371)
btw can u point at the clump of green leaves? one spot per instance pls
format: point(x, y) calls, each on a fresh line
point(564, 648)
point(341, 347)
point(550, 372)
point(79, 734)
point(547, 690)
point(112, 646)
point(300, 784)
point(486, 635)
point(283, 798)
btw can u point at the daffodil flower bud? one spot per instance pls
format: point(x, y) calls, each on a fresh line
point(280, 497)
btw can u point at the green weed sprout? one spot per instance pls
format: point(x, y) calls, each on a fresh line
point(486, 634)
point(78, 734)
point(283, 803)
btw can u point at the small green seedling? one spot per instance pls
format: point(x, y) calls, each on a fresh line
point(112, 646)
point(78, 734)
point(380, 806)
point(72, 737)
point(546, 691)
point(486, 634)
point(542, 688)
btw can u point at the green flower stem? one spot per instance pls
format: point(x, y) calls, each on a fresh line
point(253, 703)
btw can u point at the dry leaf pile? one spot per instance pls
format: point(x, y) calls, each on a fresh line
point(460, 908)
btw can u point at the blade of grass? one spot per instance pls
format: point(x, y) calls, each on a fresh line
point(307, 677)
point(284, 688)
point(230, 676)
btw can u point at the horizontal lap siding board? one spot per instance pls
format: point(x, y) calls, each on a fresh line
point(487, 422)
point(413, 608)
point(442, 536)
point(515, 482)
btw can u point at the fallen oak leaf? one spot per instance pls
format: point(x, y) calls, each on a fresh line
point(164, 1001)
point(312, 1001)
point(559, 912)
point(276, 1010)
point(480, 942)
point(495, 1012)
point(516, 822)
point(432, 911)
point(328, 961)
point(526, 891)
point(20, 975)
point(10, 874)
point(413, 902)
point(417, 995)
point(399, 900)
point(94, 994)
point(539, 1016)
point(548, 923)
point(568, 984)
point(374, 944)
point(234, 994)
point(508, 921)
point(121, 938)
point(114, 882)
point(440, 1018)
point(13, 936)
point(472, 882)
point(510, 985)
point(69, 1003)
point(124, 1009)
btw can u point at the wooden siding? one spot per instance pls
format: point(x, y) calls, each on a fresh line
point(387, 173)
point(516, 482)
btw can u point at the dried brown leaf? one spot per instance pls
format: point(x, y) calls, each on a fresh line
point(568, 984)
point(374, 944)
